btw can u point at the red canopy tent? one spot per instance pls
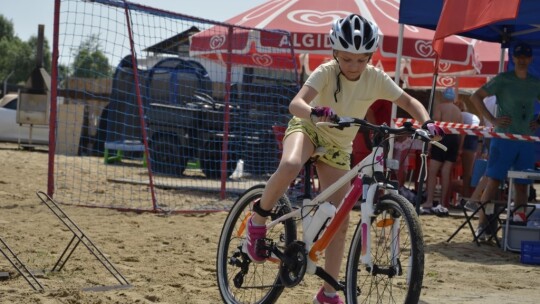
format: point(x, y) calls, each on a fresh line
point(309, 23)
point(486, 63)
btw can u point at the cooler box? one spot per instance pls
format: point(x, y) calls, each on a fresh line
point(517, 234)
point(530, 233)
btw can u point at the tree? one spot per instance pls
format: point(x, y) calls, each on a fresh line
point(6, 28)
point(47, 57)
point(90, 61)
point(63, 73)
point(15, 57)
point(18, 56)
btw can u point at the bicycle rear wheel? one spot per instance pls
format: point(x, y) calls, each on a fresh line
point(388, 281)
point(240, 280)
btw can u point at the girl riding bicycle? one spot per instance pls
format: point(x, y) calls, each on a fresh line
point(345, 86)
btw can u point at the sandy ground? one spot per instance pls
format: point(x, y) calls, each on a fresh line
point(170, 259)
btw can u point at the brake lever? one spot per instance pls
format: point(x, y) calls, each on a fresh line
point(335, 122)
point(426, 137)
point(438, 145)
point(327, 124)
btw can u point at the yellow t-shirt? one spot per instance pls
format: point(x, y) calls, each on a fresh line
point(353, 100)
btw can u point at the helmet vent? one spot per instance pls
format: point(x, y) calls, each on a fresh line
point(357, 24)
point(368, 33)
point(369, 45)
point(357, 42)
point(344, 43)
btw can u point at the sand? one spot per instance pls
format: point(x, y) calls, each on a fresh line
point(170, 258)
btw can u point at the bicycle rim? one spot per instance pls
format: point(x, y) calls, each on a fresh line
point(240, 280)
point(406, 284)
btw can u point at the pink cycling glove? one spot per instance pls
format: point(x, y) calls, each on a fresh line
point(321, 112)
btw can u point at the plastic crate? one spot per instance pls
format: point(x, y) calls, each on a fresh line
point(530, 252)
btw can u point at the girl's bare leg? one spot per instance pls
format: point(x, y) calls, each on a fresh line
point(446, 171)
point(334, 253)
point(297, 149)
point(434, 167)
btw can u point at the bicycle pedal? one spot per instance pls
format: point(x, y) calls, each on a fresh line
point(264, 247)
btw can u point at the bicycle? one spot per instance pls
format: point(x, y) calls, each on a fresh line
point(385, 261)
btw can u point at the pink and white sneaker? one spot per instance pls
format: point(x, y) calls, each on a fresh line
point(321, 298)
point(254, 233)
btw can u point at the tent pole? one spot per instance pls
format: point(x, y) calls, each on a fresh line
point(501, 59)
point(397, 76)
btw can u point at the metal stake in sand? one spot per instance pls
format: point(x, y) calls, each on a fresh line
point(80, 237)
point(21, 268)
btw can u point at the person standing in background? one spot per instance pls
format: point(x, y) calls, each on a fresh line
point(468, 149)
point(440, 160)
point(379, 113)
point(516, 92)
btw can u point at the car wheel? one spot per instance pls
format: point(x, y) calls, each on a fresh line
point(210, 159)
point(169, 154)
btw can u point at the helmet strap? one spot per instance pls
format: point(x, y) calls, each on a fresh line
point(338, 89)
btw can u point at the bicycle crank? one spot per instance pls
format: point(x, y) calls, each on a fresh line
point(293, 264)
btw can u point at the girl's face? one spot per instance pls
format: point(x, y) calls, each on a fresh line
point(352, 65)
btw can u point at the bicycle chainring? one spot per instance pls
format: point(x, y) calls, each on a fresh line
point(293, 267)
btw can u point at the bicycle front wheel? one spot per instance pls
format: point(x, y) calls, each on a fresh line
point(240, 280)
point(397, 256)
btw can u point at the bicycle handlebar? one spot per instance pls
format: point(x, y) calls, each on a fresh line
point(407, 128)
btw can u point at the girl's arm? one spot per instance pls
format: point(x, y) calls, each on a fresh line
point(414, 107)
point(299, 105)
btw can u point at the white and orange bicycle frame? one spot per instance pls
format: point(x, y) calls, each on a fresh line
point(372, 163)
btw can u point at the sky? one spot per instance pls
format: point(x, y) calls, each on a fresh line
point(26, 15)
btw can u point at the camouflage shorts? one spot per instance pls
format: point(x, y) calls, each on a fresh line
point(334, 156)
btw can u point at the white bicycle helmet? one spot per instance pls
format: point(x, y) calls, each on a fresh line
point(354, 34)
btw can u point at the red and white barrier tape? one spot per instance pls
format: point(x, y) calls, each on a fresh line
point(458, 128)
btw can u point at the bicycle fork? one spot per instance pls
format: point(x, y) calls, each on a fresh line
point(383, 226)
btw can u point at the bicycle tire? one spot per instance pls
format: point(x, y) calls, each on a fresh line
point(259, 283)
point(364, 287)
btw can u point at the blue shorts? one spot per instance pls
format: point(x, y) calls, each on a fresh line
point(479, 170)
point(470, 143)
point(505, 154)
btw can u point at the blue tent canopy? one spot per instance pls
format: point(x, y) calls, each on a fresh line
point(525, 28)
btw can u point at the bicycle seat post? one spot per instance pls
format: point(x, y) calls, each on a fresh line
point(307, 172)
point(307, 179)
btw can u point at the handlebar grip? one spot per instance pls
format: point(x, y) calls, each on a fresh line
point(335, 118)
point(326, 123)
point(439, 145)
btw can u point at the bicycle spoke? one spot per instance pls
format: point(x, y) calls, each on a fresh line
point(390, 279)
point(239, 279)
